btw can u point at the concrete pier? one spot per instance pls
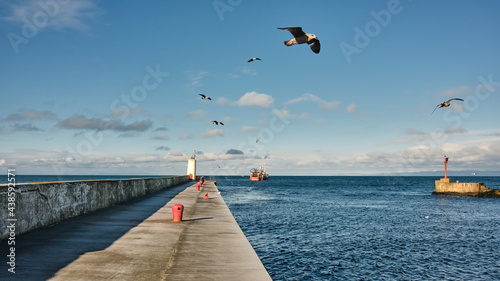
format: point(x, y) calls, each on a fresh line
point(138, 240)
point(444, 186)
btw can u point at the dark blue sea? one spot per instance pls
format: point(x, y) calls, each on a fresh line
point(361, 228)
point(367, 228)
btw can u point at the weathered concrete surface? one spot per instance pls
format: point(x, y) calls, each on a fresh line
point(207, 245)
point(212, 246)
point(444, 186)
point(42, 204)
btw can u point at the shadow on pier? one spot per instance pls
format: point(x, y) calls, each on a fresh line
point(42, 253)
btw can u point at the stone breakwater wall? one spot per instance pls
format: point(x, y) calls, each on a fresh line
point(38, 205)
point(444, 186)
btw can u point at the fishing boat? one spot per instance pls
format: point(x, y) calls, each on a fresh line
point(258, 174)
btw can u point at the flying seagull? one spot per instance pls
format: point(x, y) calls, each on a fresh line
point(203, 97)
point(299, 37)
point(252, 59)
point(445, 103)
point(218, 123)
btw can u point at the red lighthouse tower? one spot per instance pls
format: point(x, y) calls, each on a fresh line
point(445, 167)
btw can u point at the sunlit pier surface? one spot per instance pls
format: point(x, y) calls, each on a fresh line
point(138, 240)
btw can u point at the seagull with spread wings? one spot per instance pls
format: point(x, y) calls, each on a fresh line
point(252, 59)
point(300, 37)
point(218, 123)
point(445, 103)
point(203, 97)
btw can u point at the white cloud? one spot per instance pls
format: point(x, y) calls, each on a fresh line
point(304, 97)
point(215, 156)
point(242, 70)
point(472, 156)
point(304, 115)
point(54, 14)
point(456, 92)
point(195, 77)
point(329, 105)
point(351, 108)
point(146, 159)
point(434, 137)
point(482, 154)
point(249, 71)
point(250, 99)
point(249, 129)
point(113, 160)
point(117, 113)
point(255, 99)
point(2, 161)
point(213, 133)
point(457, 106)
point(223, 101)
point(176, 156)
point(479, 155)
point(186, 136)
point(283, 113)
point(197, 114)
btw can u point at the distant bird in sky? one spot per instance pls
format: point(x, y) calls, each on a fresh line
point(252, 59)
point(445, 103)
point(203, 97)
point(218, 123)
point(257, 140)
point(299, 37)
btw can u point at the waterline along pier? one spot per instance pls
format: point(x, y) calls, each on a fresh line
point(133, 238)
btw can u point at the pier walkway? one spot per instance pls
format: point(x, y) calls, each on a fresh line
point(137, 240)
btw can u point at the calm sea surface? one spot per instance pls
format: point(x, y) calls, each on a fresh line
point(361, 228)
point(367, 228)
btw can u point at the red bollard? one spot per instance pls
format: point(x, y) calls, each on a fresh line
point(206, 196)
point(177, 212)
point(198, 186)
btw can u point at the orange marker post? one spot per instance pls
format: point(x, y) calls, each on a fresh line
point(177, 210)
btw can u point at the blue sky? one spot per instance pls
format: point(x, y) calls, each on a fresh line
point(112, 87)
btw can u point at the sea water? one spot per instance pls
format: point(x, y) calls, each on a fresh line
point(367, 228)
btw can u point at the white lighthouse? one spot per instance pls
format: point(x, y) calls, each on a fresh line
point(191, 171)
